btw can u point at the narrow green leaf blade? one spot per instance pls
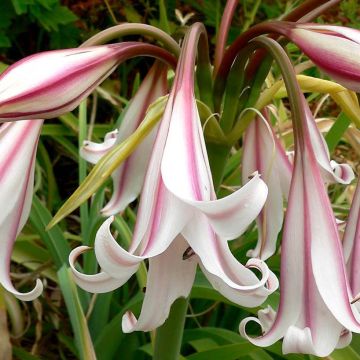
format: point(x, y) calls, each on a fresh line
point(54, 238)
point(78, 321)
point(337, 131)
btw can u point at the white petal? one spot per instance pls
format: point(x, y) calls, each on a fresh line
point(349, 33)
point(327, 259)
point(331, 171)
point(345, 339)
point(185, 168)
point(292, 272)
point(351, 243)
point(18, 143)
point(231, 215)
point(112, 258)
point(97, 283)
point(225, 273)
point(169, 278)
point(93, 152)
point(263, 152)
point(128, 179)
point(339, 60)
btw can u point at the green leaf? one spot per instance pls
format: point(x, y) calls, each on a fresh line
point(32, 256)
point(108, 341)
point(132, 15)
point(4, 41)
point(82, 336)
point(20, 6)
point(226, 352)
point(164, 22)
point(7, 13)
point(221, 336)
point(22, 354)
point(51, 18)
point(109, 162)
point(67, 36)
point(54, 238)
point(344, 354)
point(203, 344)
point(336, 132)
point(203, 290)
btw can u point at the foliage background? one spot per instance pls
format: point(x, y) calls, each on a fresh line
point(60, 324)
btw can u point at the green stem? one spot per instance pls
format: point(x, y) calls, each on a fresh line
point(84, 211)
point(169, 335)
point(218, 155)
point(289, 76)
point(164, 22)
point(134, 29)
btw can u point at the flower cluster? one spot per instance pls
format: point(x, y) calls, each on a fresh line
point(181, 223)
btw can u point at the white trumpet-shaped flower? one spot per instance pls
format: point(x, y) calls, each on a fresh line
point(180, 223)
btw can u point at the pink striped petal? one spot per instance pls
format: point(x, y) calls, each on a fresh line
point(331, 170)
point(314, 304)
point(169, 277)
point(112, 258)
point(189, 177)
point(97, 283)
point(129, 177)
point(341, 31)
point(231, 215)
point(333, 49)
point(234, 280)
point(54, 82)
point(351, 243)
point(93, 152)
point(18, 143)
point(263, 152)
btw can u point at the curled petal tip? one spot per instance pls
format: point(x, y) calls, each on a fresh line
point(28, 296)
point(96, 283)
point(128, 322)
point(271, 281)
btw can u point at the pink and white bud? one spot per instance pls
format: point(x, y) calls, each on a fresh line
point(51, 83)
point(334, 49)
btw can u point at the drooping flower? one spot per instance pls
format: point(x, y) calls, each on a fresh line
point(129, 177)
point(18, 144)
point(263, 152)
point(314, 315)
point(180, 223)
point(334, 49)
point(51, 83)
